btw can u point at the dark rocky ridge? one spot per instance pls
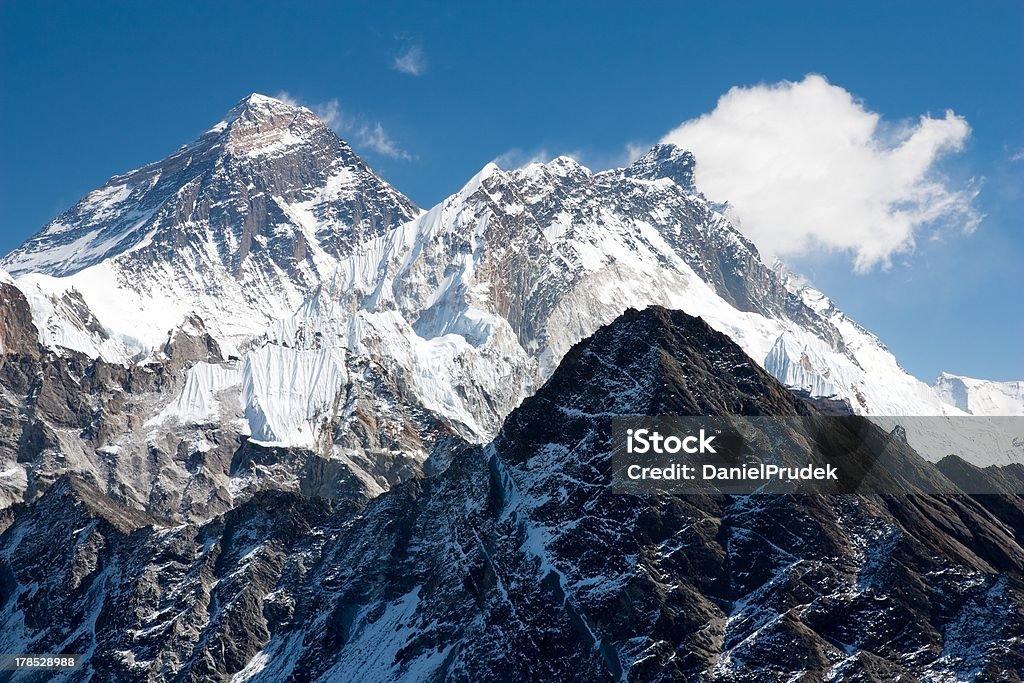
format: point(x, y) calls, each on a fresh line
point(517, 561)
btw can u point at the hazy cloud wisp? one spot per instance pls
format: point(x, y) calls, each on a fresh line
point(806, 166)
point(412, 62)
point(518, 157)
point(361, 133)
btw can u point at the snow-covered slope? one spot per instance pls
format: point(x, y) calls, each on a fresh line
point(511, 271)
point(981, 397)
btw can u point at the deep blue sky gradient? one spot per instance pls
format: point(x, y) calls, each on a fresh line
point(88, 90)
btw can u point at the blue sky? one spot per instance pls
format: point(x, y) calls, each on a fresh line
point(429, 93)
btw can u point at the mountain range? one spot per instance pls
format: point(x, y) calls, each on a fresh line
point(295, 427)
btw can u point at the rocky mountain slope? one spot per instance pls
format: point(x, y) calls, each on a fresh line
point(516, 560)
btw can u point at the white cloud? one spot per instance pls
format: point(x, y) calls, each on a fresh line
point(807, 167)
point(330, 113)
point(287, 98)
point(412, 61)
point(374, 137)
point(633, 152)
point(361, 133)
point(1018, 155)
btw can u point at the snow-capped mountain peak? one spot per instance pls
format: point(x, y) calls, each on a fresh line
point(237, 226)
point(257, 105)
point(264, 125)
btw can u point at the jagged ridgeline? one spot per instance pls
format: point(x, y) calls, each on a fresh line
point(261, 418)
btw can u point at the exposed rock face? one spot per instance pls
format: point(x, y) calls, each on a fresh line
point(68, 413)
point(64, 412)
point(517, 559)
point(18, 335)
point(190, 343)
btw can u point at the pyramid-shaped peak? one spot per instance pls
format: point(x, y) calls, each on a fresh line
point(565, 165)
point(259, 99)
point(669, 150)
point(257, 108)
point(262, 122)
point(226, 187)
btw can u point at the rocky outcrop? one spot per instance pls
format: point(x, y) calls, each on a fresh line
point(18, 334)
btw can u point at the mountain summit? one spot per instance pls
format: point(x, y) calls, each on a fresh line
point(237, 178)
point(237, 226)
point(665, 160)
